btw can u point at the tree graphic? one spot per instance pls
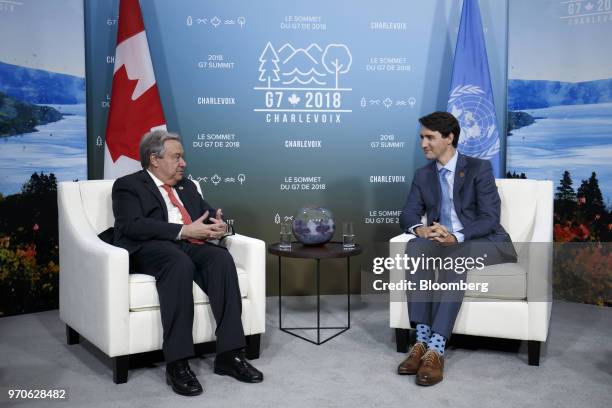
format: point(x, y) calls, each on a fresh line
point(337, 60)
point(515, 175)
point(582, 215)
point(29, 271)
point(565, 198)
point(590, 198)
point(269, 65)
point(565, 191)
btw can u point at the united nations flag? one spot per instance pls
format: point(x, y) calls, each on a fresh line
point(471, 97)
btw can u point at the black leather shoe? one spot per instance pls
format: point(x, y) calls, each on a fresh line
point(234, 364)
point(182, 379)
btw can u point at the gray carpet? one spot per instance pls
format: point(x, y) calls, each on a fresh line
point(355, 369)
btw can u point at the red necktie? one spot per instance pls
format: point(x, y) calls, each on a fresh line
point(184, 214)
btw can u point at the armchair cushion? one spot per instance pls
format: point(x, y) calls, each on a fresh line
point(505, 281)
point(143, 292)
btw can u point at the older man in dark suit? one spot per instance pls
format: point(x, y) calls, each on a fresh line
point(163, 222)
point(459, 196)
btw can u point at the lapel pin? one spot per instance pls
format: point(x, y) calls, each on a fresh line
point(461, 174)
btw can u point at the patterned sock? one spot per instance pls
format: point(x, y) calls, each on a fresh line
point(423, 333)
point(437, 342)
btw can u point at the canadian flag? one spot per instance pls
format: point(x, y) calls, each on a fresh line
point(135, 107)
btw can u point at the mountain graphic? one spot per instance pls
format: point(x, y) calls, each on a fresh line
point(17, 117)
point(300, 58)
point(315, 51)
point(533, 94)
point(39, 86)
point(302, 66)
point(288, 54)
point(285, 51)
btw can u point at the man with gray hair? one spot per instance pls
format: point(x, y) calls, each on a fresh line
point(164, 223)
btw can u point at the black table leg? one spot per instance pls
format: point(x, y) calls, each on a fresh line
point(280, 321)
point(348, 292)
point(318, 301)
point(318, 328)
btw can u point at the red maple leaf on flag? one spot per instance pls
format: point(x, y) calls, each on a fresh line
point(135, 107)
point(131, 118)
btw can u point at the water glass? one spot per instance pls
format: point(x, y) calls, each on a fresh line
point(348, 235)
point(285, 236)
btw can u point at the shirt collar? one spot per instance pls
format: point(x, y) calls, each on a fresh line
point(451, 165)
point(157, 181)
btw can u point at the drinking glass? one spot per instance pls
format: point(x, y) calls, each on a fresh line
point(285, 236)
point(348, 235)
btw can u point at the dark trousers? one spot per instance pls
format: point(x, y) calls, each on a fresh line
point(175, 266)
point(439, 308)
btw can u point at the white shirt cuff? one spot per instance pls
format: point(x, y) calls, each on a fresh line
point(412, 229)
point(459, 236)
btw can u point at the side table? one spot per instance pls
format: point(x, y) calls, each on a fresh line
point(328, 251)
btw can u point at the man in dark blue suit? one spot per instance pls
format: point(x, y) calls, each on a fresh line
point(166, 226)
point(458, 195)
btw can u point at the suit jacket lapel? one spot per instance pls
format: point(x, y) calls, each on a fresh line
point(150, 185)
point(434, 181)
point(460, 171)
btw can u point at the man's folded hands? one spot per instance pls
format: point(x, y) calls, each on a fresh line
point(199, 230)
point(438, 233)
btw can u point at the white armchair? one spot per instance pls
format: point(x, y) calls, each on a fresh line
point(118, 312)
point(519, 300)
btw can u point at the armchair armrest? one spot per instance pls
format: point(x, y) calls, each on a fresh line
point(250, 254)
point(539, 272)
point(94, 282)
point(398, 310)
point(397, 246)
point(539, 289)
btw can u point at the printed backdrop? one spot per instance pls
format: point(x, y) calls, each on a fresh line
point(282, 104)
point(42, 142)
point(560, 129)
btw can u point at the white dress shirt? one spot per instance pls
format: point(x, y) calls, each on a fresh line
point(174, 215)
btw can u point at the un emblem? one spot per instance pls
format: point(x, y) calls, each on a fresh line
point(476, 115)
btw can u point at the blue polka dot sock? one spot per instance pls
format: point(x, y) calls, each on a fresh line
point(423, 333)
point(437, 342)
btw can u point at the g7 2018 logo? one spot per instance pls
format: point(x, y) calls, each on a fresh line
point(303, 85)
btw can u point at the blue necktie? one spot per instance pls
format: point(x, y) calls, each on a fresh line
point(445, 208)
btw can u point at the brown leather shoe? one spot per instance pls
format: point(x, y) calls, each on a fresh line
point(431, 369)
point(411, 364)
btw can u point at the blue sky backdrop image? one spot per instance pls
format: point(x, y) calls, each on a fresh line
point(560, 73)
point(44, 67)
